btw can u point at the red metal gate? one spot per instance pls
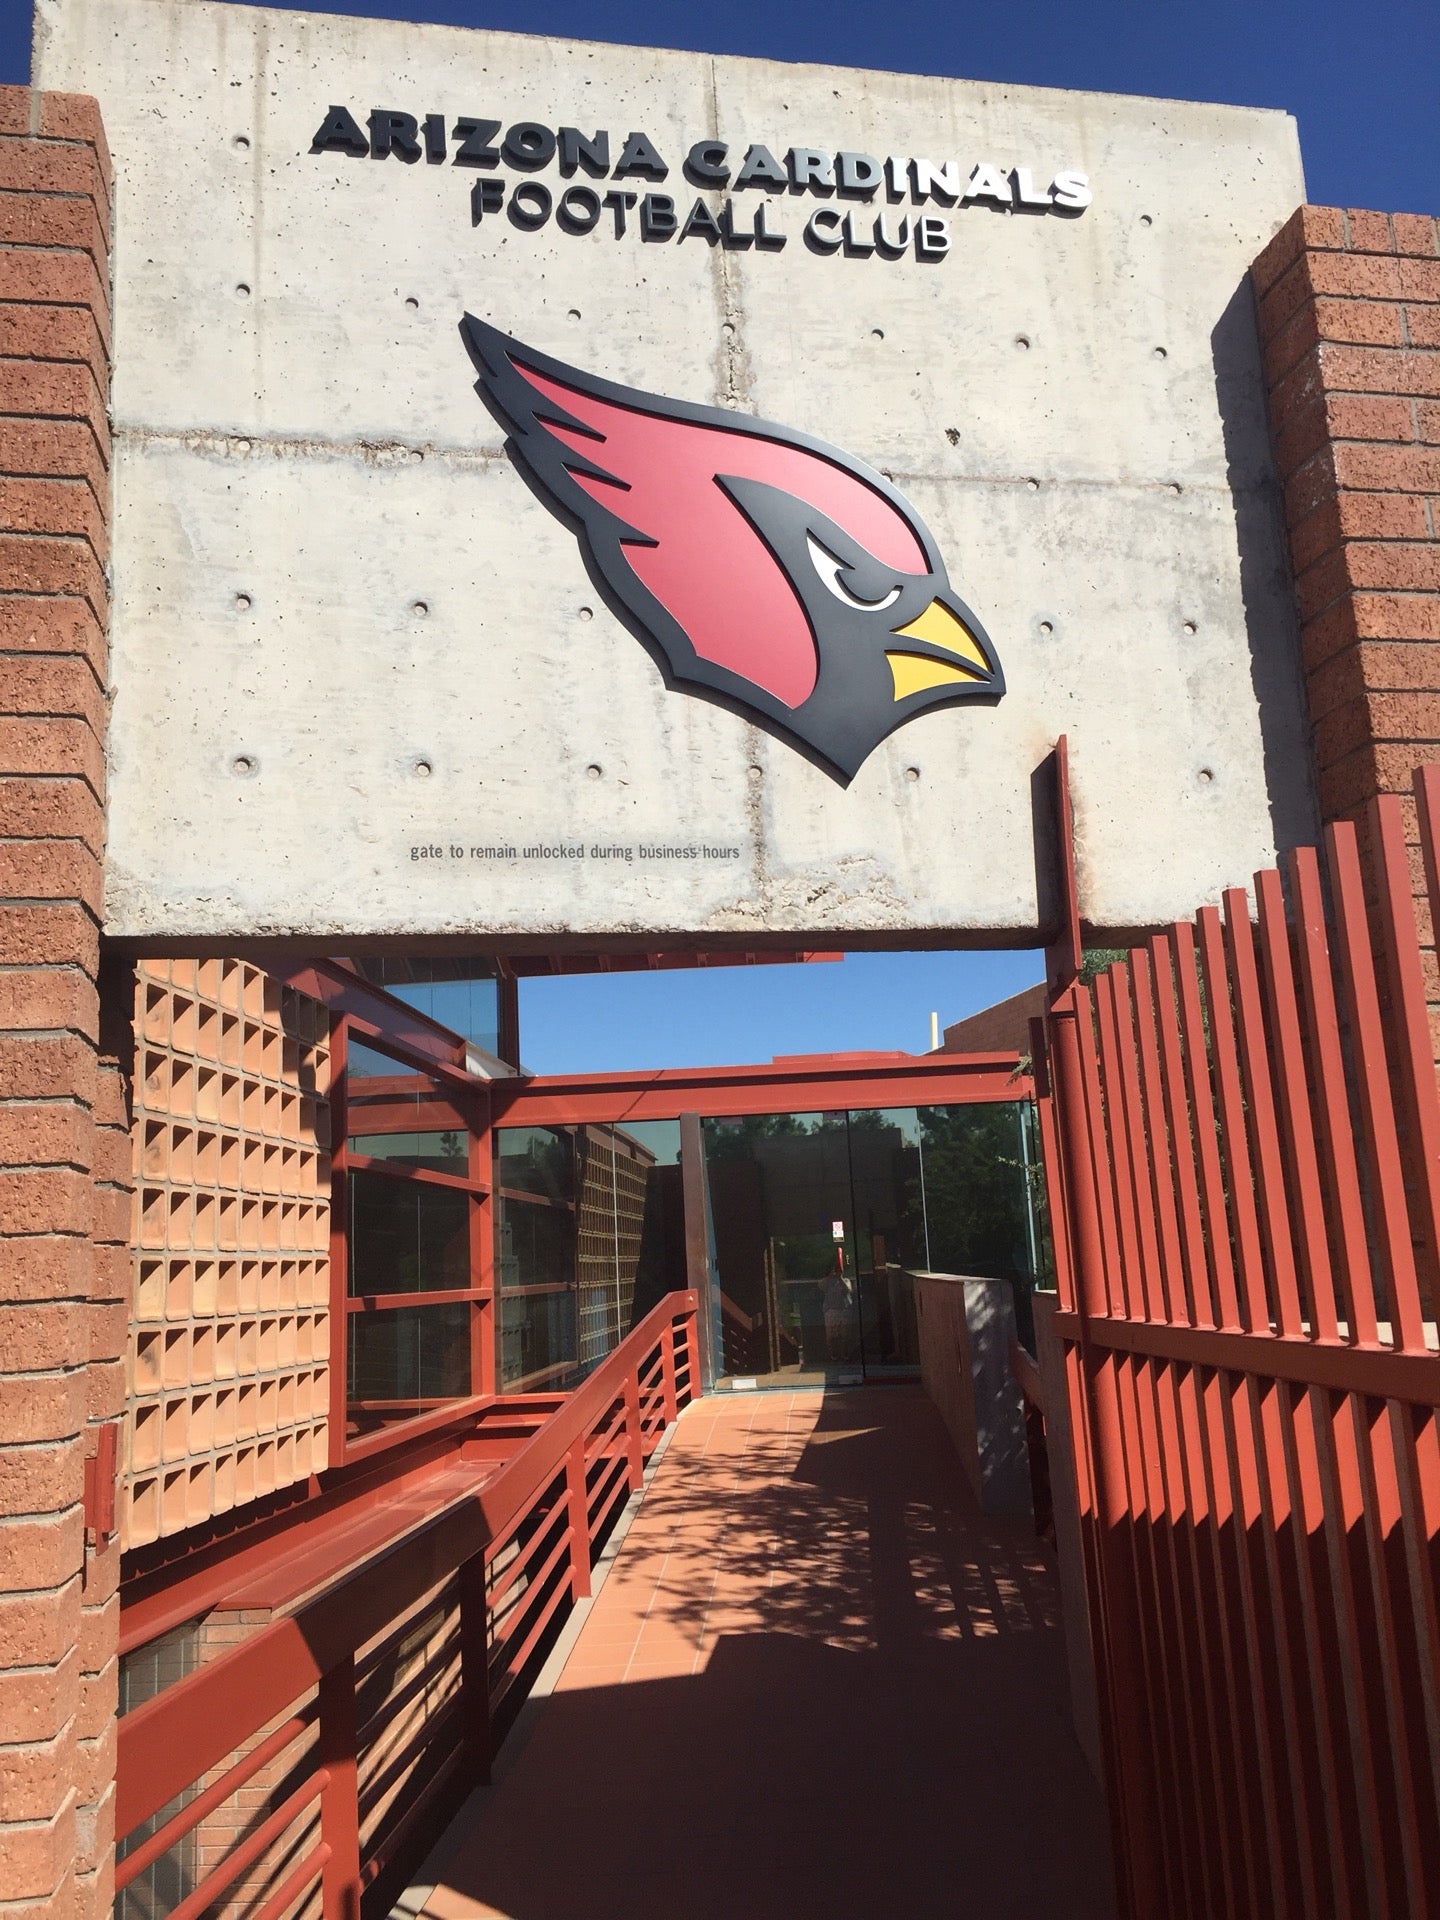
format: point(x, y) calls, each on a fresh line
point(1242, 1134)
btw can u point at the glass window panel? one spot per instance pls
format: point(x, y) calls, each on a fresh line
point(385, 1095)
point(537, 1340)
point(470, 1008)
point(444, 1152)
point(536, 1160)
point(407, 1236)
point(536, 1245)
point(410, 1353)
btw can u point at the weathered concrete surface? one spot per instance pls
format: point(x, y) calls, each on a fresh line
point(302, 465)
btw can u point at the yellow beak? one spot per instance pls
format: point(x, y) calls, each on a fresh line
point(937, 626)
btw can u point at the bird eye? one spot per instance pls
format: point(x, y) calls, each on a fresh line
point(830, 569)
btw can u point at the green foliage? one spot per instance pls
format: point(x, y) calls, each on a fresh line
point(1096, 959)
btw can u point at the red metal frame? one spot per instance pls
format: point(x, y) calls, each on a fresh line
point(521, 1539)
point(1241, 1129)
point(820, 1083)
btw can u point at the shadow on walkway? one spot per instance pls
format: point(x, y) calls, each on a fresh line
point(817, 1682)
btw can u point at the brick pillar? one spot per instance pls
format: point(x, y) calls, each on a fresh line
point(1349, 308)
point(64, 1148)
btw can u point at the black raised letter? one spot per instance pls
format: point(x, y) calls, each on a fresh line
point(657, 217)
point(617, 203)
point(475, 137)
point(760, 168)
point(705, 163)
point(640, 157)
point(529, 145)
point(339, 132)
point(702, 221)
point(397, 133)
point(576, 151)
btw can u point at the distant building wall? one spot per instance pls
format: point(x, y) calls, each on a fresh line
point(1003, 1028)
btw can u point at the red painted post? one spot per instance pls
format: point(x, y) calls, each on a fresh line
point(339, 1802)
point(692, 1354)
point(634, 1440)
point(475, 1669)
point(667, 1373)
point(578, 1498)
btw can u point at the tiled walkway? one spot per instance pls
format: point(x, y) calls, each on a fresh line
point(816, 1683)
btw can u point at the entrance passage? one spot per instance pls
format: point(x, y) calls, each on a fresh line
point(820, 1218)
point(817, 1682)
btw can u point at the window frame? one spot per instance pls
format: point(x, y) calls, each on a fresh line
point(467, 1099)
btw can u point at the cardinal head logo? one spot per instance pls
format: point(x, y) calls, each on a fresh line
point(763, 569)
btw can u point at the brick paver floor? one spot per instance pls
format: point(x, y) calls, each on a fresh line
point(816, 1683)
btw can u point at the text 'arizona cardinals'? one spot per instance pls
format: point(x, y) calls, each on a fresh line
point(762, 568)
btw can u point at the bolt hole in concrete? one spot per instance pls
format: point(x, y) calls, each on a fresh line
point(755, 773)
point(243, 603)
point(1175, 487)
point(1206, 776)
point(877, 333)
point(423, 769)
point(593, 771)
point(1147, 220)
point(242, 291)
point(574, 313)
point(587, 613)
point(1033, 485)
point(420, 608)
point(244, 765)
point(416, 454)
point(912, 773)
point(1187, 626)
point(412, 303)
point(1159, 353)
point(1022, 341)
point(1046, 628)
point(242, 142)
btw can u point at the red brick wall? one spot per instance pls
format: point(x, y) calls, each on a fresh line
point(64, 1136)
point(1349, 309)
point(997, 1029)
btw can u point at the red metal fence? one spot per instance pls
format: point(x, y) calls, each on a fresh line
point(1242, 1134)
point(513, 1556)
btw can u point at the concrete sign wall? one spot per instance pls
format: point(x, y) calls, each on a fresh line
point(865, 433)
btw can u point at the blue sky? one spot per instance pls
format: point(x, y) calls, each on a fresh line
point(1363, 84)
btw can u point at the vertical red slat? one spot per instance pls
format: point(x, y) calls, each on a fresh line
point(1232, 1521)
point(1344, 1206)
point(1207, 1136)
point(1157, 1137)
point(1200, 1304)
point(1124, 1721)
point(1099, 1170)
point(1270, 1418)
point(1419, 1096)
point(1293, 1102)
point(1185, 1720)
point(1237, 1778)
point(1240, 1186)
point(1414, 1556)
point(1053, 1165)
point(1271, 1207)
point(1381, 1508)
point(1288, 1824)
point(1387, 1185)
point(1127, 1149)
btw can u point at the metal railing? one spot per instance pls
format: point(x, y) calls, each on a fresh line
point(507, 1561)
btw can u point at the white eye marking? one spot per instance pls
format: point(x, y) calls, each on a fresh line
point(830, 570)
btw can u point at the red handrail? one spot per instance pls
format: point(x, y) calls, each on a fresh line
point(173, 1741)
